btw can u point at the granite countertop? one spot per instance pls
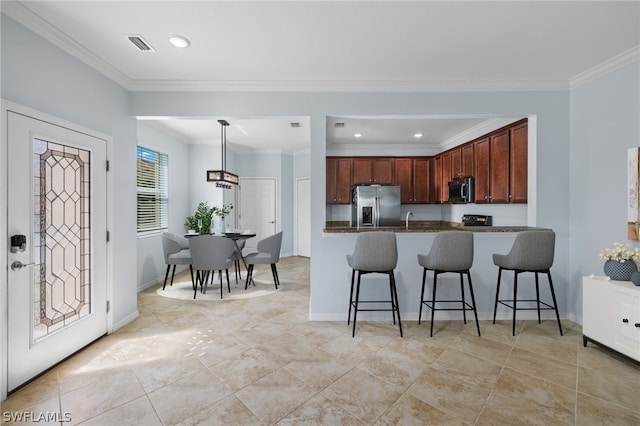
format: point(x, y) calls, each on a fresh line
point(343, 227)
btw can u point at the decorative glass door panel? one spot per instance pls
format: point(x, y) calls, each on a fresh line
point(61, 238)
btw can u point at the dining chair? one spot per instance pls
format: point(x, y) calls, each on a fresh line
point(532, 251)
point(268, 254)
point(236, 257)
point(208, 254)
point(176, 252)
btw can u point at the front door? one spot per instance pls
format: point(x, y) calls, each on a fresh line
point(258, 209)
point(56, 286)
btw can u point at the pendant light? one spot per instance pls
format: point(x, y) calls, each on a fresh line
point(222, 178)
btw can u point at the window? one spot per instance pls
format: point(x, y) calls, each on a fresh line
point(153, 199)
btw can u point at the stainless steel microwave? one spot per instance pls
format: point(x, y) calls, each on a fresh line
point(462, 191)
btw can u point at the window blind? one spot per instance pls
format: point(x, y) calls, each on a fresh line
point(153, 199)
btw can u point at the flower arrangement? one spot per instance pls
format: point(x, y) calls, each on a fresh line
point(620, 252)
point(223, 211)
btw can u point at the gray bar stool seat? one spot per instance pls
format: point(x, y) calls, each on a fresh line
point(374, 252)
point(452, 251)
point(532, 251)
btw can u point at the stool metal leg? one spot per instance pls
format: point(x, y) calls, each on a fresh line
point(433, 301)
point(473, 300)
point(538, 296)
point(353, 274)
point(555, 304)
point(515, 298)
point(395, 293)
point(495, 306)
point(464, 311)
point(424, 278)
point(355, 311)
point(393, 310)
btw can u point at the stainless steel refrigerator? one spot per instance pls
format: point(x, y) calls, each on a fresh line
point(375, 205)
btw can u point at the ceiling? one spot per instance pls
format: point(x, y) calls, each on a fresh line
point(337, 46)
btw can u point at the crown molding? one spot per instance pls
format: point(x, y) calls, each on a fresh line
point(615, 63)
point(24, 16)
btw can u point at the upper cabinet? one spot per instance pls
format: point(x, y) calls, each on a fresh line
point(412, 175)
point(501, 166)
point(371, 170)
point(338, 180)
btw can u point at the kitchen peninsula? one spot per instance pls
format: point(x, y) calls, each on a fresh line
point(422, 226)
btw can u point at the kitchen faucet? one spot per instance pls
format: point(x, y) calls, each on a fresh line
point(407, 220)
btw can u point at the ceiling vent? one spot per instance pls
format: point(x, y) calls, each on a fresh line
point(140, 43)
point(338, 125)
point(295, 124)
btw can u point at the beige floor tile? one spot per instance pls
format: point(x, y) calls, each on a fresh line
point(42, 389)
point(548, 342)
point(393, 367)
point(599, 358)
point(228, 411)
point(425, 350)
point(139, 411)
point(245, 368)
point(620, 390)
point(181, 400)
point(542, 367)
point(275, 396)
point(504, 411)
point(113, 390)
point(484, 348)
point(594, 411)
point(456, 397)
point(320, 411)
point(557, 401)
point(409, 411)
point(43, 412)
point(212, 348)
point(154, 374)
point(362, 395)
point(470, 368)
point(320, 369)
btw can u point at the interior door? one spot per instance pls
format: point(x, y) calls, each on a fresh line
point(258, 209)
point(303, 217)
point(56, 287)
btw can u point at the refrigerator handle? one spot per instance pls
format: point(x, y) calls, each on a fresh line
point(377, 214)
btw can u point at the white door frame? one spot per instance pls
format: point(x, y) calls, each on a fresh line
point(4, 237)
point(297, 215)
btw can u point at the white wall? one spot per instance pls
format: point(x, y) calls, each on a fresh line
point(605, 122)
point(151, 266)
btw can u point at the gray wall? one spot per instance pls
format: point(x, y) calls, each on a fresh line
point(151, 266)
point(605, 122)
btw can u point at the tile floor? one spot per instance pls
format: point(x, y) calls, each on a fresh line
point(261, 362)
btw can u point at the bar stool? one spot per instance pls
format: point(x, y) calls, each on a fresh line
point(374, 252)
point(452, 251)
point(532, 251)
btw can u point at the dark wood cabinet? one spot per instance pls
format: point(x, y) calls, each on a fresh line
point(499, 168)
point(372, 170)
point(338, 180)
point(467, 160)
point(456, 163)
point(518, 160)
point(481, 172)
point(437, 179)
point(413, 177)
point(446, 177)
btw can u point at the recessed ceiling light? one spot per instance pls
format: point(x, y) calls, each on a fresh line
point(417, 135)
point(179, 41)
point(358, 135)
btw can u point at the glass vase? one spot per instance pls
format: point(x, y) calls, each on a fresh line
point(620, 271)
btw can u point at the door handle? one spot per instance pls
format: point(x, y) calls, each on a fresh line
point(272, 221)
point(17, 265)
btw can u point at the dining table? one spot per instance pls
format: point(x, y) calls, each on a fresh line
point(235, 236)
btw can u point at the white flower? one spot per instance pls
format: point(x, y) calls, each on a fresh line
point(620, 252)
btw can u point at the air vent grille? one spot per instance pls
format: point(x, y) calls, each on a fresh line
point(295, 124)
point(140, 43)
point(338, 125)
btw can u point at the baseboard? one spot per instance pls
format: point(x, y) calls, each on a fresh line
point(440, 316)
point(160, 279)
point(127, 320)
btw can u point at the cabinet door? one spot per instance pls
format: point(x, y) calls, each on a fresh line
point(382, 171)
point(404, 179)
point(361, 169)
point(481, 167)
point(456, 163)
point(518, 164)
point(332, 180)
point(437, 179)
point(499, 168)
point(343, 182)
point(467, 160)
point(421, 181)
point(446, 176)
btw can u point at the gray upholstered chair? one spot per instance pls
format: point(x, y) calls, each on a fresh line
point(451, 251)
point(268, 254)
point(532, 251)
point(208, 254)
point(374, 252)
point(176, 252)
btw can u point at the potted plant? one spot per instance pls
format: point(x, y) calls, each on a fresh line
point(620, 261)
point(222, 212)
point(201, 220)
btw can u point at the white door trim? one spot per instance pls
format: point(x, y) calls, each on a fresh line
point(297, 214)
point(7, 106)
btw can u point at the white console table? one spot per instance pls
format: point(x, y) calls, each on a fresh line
point(611, 315)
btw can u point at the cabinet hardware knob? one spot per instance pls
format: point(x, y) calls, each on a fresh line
point(625, 320)
point(637, 324)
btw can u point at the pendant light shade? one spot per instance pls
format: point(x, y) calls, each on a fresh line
point(222, 178)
